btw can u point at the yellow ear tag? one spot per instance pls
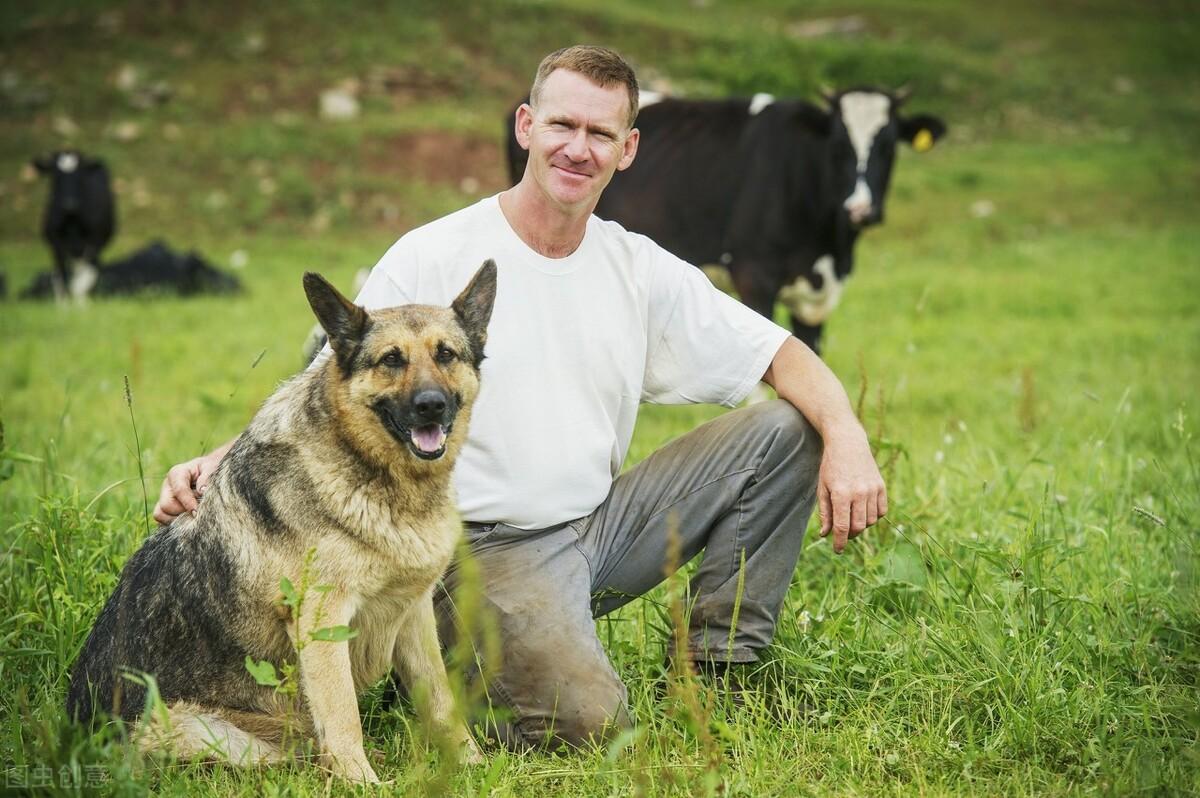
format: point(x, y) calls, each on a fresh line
point(923, 141)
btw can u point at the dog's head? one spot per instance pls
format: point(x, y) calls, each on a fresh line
point(406, 376)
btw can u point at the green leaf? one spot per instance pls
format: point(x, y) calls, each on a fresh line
point(334, 634)
point(290, 596)
point(263, 672)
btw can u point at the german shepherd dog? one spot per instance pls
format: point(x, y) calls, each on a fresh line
point(341, 482)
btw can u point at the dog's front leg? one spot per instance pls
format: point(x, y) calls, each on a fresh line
point(328, 685)
point(418, 660)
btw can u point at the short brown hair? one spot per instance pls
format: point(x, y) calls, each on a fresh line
point(602, 66)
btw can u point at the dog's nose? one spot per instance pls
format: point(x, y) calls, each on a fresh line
point(429, 405)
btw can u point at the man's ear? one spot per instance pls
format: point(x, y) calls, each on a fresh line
point(523, 124)
point(473, 307)
point(921, 130)
point(630, 150)
point(343, 321)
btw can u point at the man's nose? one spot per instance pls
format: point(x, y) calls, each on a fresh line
point(577, 146)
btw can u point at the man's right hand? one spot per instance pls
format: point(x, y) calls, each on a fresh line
point(185, 484)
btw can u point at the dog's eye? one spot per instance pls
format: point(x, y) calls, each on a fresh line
point(394, 359)
point(445, 354)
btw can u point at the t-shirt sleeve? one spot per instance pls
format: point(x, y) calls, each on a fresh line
point(704, 346)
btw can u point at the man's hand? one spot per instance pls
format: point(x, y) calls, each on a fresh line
point(850, 490)
point(185, 484)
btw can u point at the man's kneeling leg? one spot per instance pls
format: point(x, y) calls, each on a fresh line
point(548, 681)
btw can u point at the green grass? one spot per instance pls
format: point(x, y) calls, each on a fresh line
point(1026, 623)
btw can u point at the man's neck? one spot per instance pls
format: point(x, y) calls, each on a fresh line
point(548, 229)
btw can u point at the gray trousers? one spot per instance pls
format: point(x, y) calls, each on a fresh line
point(743, 484)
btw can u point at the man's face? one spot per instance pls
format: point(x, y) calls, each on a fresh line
point(577, 138)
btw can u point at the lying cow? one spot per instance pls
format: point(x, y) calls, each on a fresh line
point(79, 221)
point(776, 191)
point(155, 268)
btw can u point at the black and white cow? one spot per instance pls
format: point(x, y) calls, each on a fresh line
point(776, 191)
point(154, 269)
point(80, 218)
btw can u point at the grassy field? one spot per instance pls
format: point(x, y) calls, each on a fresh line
point(1024, 335)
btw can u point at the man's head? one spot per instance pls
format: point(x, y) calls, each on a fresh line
point(578, 124)
point(600, 65)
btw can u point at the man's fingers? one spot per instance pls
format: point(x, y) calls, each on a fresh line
point(825, 510)
point(180, 481)
point(872, 509)
point(841, 521)
point(858, 515)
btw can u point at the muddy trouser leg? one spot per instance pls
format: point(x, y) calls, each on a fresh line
point(739, 487)
point(547, 679)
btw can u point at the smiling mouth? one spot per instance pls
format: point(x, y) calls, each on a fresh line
point(570, 172)
point(427, 442)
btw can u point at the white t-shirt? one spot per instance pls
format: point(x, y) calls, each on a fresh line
point(574, 345)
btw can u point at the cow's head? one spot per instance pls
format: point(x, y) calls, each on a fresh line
point(67, 170)
point(866, 124)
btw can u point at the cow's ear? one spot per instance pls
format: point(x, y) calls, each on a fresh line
point(818, 120)
point(921, 130)
point(44, 164)
point(343, 321)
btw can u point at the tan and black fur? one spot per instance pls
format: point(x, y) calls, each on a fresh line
point(352, 459)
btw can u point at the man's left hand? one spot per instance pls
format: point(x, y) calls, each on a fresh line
point(850, 491)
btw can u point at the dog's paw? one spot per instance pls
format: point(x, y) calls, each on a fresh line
point(469, 753)
point(351, 766)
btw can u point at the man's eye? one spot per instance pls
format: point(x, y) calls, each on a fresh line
point(445, 354)
point(394, 359)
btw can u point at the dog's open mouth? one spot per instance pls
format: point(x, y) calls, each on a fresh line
point(428, 442)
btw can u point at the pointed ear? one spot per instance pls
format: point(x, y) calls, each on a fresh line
point(343, 321)
point(921, 130)
point(474, 307)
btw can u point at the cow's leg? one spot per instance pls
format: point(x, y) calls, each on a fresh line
point(810, 334)
point(758, 291)
point(61, 275)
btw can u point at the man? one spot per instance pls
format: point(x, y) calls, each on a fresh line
point(590, 320)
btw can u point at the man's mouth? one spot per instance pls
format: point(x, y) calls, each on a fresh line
point(571, 172)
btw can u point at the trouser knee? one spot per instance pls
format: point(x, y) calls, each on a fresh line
point(577, 717)
point(783, 426)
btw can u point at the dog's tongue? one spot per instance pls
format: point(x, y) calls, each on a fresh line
point(429, 438)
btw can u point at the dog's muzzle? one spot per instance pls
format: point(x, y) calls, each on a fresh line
point(422, 423)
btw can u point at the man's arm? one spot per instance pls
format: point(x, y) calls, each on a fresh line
point(850, 490)
point(185, 484)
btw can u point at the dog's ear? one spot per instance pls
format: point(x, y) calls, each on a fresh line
point(44, 164)
point(343, 321)
point(474, 307)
